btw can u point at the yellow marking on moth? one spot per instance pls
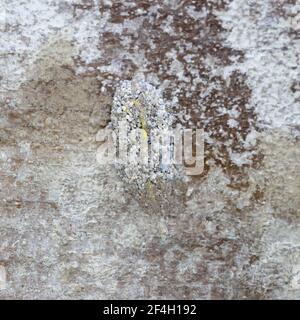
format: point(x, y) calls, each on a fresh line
point(145, 134)
point(144, 127)
point(143, 122)
point(149, 188)
point(136, 103)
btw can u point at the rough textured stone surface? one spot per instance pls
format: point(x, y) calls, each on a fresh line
point(68, 227)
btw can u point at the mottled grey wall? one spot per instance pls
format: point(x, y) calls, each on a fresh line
point(69, 228)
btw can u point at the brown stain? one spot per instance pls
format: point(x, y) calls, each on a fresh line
point(202, 38)
point(258, 195)
point(54, 103)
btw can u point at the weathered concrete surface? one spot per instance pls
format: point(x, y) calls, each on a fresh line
point(69, 229)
